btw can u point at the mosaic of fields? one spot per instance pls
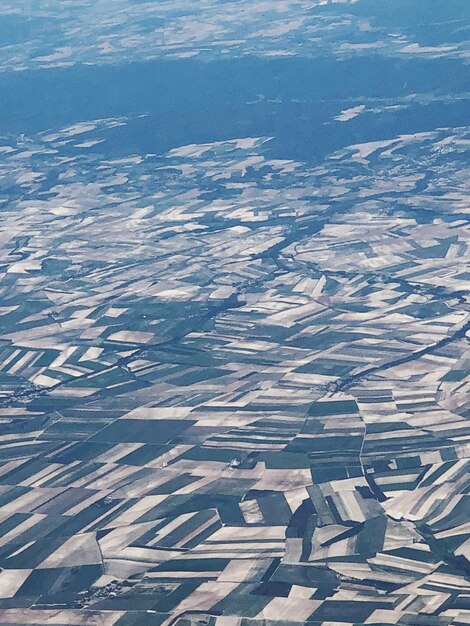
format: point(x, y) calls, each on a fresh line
point(234, 387)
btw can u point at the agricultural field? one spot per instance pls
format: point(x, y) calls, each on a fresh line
point(250, 399)
point(234, 381)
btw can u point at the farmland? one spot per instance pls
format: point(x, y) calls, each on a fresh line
point(234, 313)
point(250, 399)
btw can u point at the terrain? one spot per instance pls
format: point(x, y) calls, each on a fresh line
point(234, 313)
